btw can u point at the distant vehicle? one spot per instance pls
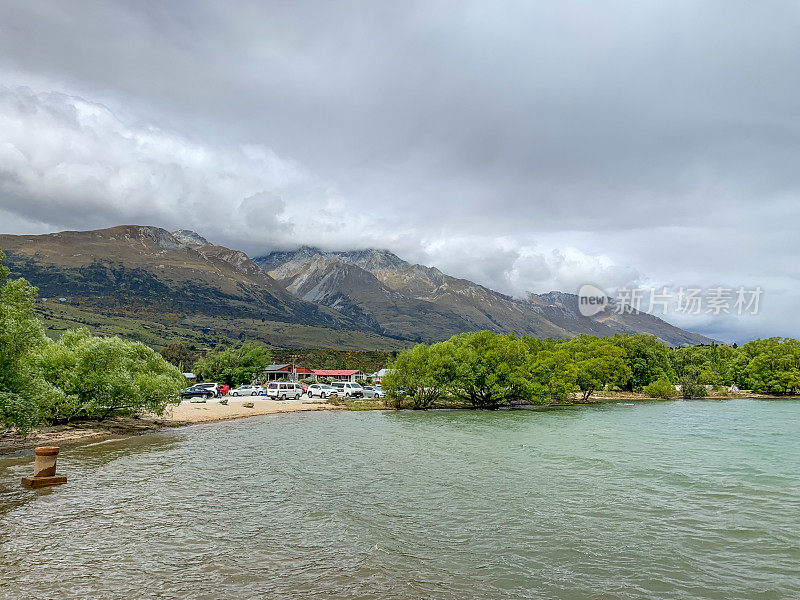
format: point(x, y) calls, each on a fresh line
point(224, 389)
point(321, 390)
point(197, 391)
point(349, 390)
point(248, 390)
point(214, 387)
point(284, 391)
point(374, 391)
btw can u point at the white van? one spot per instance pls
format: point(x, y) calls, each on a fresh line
point(284, 391)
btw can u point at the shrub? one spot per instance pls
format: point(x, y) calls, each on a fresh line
point(660, 389)
point(97, 377)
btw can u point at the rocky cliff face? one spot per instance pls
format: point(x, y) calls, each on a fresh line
point(189, 238)
point(421, 303)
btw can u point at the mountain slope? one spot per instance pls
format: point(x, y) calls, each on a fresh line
point(131, 275)
point(422, 303)
point(148, 272)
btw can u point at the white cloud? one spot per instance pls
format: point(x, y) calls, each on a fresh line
point(71, 162)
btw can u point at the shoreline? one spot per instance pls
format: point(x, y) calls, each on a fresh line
point(179, 415)
point(186, 413)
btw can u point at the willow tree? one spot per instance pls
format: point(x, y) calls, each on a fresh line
point(422, 374)
point(492, 369)
point(24, 395)
point(598, 363)
point(233, 365)
point(99, 377)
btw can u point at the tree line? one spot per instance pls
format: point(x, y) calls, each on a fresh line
point(237, 364)
point(79, 376)
point(487, 370)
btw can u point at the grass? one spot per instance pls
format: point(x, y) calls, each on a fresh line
point(157, 329)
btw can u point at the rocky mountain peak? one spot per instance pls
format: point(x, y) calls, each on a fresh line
point(373, 259)
point(146, 236)
point(187, 237)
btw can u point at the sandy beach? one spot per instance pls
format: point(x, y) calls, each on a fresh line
point(184, 413)
point(212, 410)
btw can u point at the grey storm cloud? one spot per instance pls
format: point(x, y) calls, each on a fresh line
point(525, 145)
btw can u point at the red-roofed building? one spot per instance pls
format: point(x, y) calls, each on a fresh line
point(339, 374)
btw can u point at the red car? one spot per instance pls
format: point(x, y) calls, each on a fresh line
point(224, 389)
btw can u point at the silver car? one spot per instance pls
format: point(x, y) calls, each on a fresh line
point(248, 390)
point(374, 391)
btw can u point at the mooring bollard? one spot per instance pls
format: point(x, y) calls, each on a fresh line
point(44, 469)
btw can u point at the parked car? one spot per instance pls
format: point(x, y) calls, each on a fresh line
point(349, 390)
point(321, 390)
point(224, 389)
point(248, 390)
point(197, 391)
point(284, 391)
point(214, 387)
point(374, 391)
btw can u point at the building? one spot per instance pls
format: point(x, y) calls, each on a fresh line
point(285, 371)
point(190, 377)
point(339, 374)
point(378, 375)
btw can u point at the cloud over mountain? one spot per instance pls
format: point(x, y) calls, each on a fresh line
point(527, 146)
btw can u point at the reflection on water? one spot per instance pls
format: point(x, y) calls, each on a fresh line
point(661, 500)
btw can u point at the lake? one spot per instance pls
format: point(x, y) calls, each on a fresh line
point(646, 500)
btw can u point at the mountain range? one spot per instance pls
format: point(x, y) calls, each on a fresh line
point(158, 286)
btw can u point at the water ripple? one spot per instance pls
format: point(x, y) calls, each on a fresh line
point(663, 500)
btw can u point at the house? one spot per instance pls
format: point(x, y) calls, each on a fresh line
point(285, 371)
point(190, 377)
point(339, 374)
point(273, 372)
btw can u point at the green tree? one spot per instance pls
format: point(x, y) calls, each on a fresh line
point(23, 393)
point(423, 372)
point(715, 364)
point(598, 363)
point(553, 375)
point(234, 365)
point(180, 355)
point(772, 366)
point(647, 358)
point(492, 369)
point(691, 385)
point(99, 377)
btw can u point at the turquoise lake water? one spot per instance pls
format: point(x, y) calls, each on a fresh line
point(652, 500)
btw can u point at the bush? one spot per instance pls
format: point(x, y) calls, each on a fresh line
point(97, 377)
point(42, 381)
point(691, 388)
point(661, 389)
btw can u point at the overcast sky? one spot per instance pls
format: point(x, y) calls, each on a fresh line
point(528, 146)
